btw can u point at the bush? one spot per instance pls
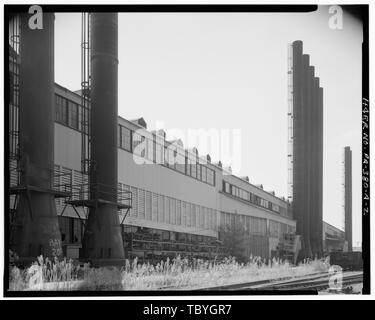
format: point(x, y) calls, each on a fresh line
point(176, 274)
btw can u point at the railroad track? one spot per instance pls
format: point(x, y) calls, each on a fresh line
point(316, 282)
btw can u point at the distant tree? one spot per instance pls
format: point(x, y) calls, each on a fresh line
point(235, 239)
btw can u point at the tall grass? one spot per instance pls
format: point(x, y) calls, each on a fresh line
point(176, 274)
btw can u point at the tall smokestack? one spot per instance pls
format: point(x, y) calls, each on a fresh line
point(102, 238)
point(319, 176)
point(37, 231)
point(307, 138)
point(348, 197)
point(316, 221)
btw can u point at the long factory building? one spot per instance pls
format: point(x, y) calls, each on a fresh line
point(175, 207)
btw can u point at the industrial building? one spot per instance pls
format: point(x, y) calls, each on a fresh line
point(86, 183)
point(306, 150)
point(176, 207)
point(103, 200)
point(333, 239)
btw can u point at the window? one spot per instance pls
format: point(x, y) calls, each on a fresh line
point(141, 203)
point(166, 156)
point(193, 215)
point(178, 212)
point(134, 208)
point(179, 159)
point(72, 114)
point(226, 187)
point(119, 136)
point(203, 213)
point(246, 195)
point(188, 214)
point(269, 205)
point(193, 170)
point(139, 144)
point(148, 205)
point(159, 153)
point(150, 149)
point(172, 211)
point(183, 213)
point(61, 115)
point(126, 139)
point(154, 207)
point(198, 171)
point(203, 173)
point(210, 176)
point(160, 208)
point(188, 168)
point(167, 207)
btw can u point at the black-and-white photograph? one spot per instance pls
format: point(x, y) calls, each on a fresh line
point(186, 150)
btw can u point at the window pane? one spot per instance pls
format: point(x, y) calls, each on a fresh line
point(198, 171)
point(193, 170)
point(204, 173)
point(125, 138)
point(150, 150)
point(60, 110)
point(159, 154)
point(73, 114)
point(210, 176)
point(119, 136)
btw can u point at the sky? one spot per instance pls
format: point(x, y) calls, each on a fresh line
point(228, 71)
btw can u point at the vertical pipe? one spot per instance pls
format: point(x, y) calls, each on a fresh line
point(306, 147)
point(314, 228)
point(320, 168)
point(103, 239)
point(298, 143)
point(37, 230)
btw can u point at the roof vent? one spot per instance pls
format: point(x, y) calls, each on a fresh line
point(140, 122)
point(177, 142)
point(162, 133)
point(193, 150)
point(219, 164)
point(159, 132)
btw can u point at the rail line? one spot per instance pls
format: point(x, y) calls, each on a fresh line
point(316, 282)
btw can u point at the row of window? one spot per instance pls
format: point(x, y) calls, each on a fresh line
point(255, 225)
point(159, 208)
point(67, 112)
point(251, 197)
point(70, 114)
point(169, 156)
point(278, 229)
point(140, 233)
point(252, 225)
